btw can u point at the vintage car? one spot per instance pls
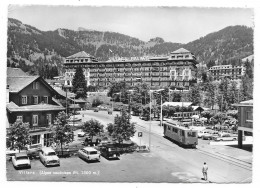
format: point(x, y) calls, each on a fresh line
point(21, 160)
point(225, 137)
point(201, 133)
point(48, 157)
point(81, 134)
point(96, 109)
point(210, 135)
point(89, 154)
point(33, 150)
point(109, 151)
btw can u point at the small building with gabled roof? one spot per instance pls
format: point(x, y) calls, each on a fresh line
point(30, 99)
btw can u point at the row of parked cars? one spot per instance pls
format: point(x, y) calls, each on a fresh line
point(48, 156)
point(216, 136)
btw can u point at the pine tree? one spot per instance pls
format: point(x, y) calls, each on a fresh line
point(79, 84)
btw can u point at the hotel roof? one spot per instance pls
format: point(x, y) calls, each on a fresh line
point(81, 54)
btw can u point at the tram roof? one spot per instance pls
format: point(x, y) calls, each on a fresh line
point(178, 125)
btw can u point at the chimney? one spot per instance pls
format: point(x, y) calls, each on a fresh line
point(7, 94)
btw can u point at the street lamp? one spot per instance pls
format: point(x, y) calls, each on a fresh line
point(158, 91)
point(150, 124)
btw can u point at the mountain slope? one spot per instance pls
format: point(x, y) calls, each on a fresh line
point(36, 48)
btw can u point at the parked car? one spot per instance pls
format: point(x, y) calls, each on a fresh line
point(109, 151)
point(91, 142)
point(21, 160)
point(89, 154)
point(96, 109)
point(225, 137)
point(201, 133)
point(81, 134)
point(33, 150)
point(48, 157)
point(210, 135)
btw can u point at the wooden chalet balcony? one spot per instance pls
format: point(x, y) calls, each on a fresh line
point(39, 128)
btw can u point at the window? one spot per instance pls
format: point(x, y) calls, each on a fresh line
point(169, 128)
point(35, 120)
point(24, 99)
point(19, 118)
point(48, 117)
point(35, 99)
point(45, 99)
point(191, 134)
point(35, 139)
point(249, 115)
point(35, 85)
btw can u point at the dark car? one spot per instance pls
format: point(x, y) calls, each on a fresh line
point(91, 141)
point(96, 110)
point(109, 151)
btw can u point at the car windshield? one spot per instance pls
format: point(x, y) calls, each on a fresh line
point(21, 158)
point(92, 152)
point(51, 153)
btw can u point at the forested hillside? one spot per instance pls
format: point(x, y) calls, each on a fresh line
point(38, 52)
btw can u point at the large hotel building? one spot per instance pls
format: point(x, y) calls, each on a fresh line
point(177, 69)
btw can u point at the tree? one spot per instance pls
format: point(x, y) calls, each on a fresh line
point(93, 128)
point(79, 84)
point(62, 131)
point(210, 94)
point(18, 135)
point(194, 95)
point(122, 129)
point(96, 102)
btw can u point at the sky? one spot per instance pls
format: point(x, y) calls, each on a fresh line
point(173, 24)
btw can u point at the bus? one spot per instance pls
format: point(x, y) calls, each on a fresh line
point(182, 135)
point(184, 115)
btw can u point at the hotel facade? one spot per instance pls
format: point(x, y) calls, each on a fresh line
point(234, 72)
point(178, 69)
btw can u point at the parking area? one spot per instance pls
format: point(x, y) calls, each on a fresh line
point(135, 167)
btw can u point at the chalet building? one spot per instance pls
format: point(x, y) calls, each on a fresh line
point(30, 99)
point(177, 69)
point(233, 72)
point(245, 120)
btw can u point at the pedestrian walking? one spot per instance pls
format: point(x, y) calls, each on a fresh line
point(205, 171)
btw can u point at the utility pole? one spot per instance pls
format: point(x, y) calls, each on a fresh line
point(150, 120)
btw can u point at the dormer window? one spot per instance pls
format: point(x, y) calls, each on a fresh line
point(35, 85)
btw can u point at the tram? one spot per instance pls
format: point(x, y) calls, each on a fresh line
point(180, 134)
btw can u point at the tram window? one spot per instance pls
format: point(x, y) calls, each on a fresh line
point(191, 134)
point(169, 128)
point(182, 133)
point(174, 130)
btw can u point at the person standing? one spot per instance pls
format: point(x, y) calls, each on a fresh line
point(205, 171)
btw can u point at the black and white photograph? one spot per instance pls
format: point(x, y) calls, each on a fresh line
point(129, 94)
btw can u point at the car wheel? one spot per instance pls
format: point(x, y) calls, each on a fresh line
point(45, 164)
point(234, 139)
point(220, 140)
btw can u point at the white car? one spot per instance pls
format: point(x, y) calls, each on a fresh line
point(48, 157)
point(81, 134)
point(21, 160)
point(201, 133)
point(225, 137)
point(89, 154)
